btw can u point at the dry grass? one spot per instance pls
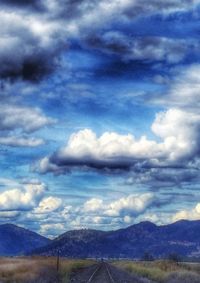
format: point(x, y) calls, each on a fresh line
point(43, 270)
point(163, 271)
point(68, 266)
point(37, 269)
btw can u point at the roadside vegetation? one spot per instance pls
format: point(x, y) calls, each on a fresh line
point(163, 271)
point(44, 270)
point(38, 269)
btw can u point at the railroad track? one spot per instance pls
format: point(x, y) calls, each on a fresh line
point(101, 274)
point(104, 273)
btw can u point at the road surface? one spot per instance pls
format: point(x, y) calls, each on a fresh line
point(105, 273)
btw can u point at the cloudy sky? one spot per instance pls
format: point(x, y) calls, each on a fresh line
point(99, 113)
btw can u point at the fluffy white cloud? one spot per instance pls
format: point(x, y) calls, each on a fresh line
point(192, 214)
point(184, 90)
point(178, 129)
point(25, 198)
point(93, 213)
point(131, 205)
point(127, 206)
point(93, 204)
point(49, 204)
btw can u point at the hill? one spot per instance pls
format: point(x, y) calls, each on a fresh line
point(15, 240)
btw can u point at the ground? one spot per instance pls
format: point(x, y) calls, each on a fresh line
point(44, 270)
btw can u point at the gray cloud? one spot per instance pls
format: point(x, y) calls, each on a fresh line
point(142, 48)
point(157, 6)
point(30, 48)
point(29, 4)
point(26, 119)
point(18, 122)
point(21, 141)
point(156, 178)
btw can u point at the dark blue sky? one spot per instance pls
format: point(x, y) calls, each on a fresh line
point(99, 113)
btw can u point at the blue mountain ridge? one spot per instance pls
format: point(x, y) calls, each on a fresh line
point(16, 240)
point(181, 238)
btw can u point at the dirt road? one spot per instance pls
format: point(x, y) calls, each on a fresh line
point(105, 273)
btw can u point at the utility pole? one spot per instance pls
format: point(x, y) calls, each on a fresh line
point(58, 261)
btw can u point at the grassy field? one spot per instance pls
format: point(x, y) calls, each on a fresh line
point(163, 271)
point(43, 270)
point(38, 269)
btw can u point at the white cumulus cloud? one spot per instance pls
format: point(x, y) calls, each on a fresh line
point(19, 199)
point(131, 205)
point(49, 204)
point(127, 206)
point(192, 214)
point(178, 130)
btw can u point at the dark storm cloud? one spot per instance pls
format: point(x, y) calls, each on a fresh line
point(24, 55)
point(30, 44)
point(35, 5)
point(30, 48)
point(32, 67)
point(164, 177)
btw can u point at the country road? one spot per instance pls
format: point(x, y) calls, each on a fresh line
point(105, 273)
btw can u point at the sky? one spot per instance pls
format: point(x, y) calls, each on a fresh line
point(99, 113)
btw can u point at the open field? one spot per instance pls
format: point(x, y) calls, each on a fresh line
point(38, 269)
point(44, 270)
point(163, 271)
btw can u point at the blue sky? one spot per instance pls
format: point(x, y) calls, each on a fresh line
point(99, 113)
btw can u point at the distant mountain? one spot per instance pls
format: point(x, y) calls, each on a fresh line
point(15, 240)
point(182, 238)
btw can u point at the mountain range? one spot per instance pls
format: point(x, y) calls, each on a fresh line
point(181, 238)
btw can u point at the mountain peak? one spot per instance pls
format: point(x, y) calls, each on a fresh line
point(146, 225)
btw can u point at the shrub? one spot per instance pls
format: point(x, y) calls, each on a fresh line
point(183, 277)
